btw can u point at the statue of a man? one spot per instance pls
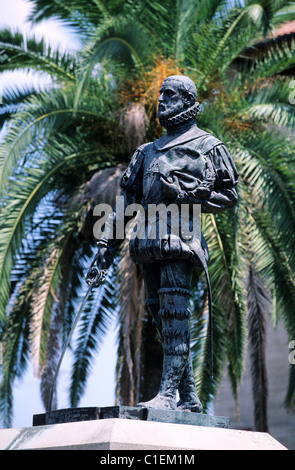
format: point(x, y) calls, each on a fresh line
point(186, 166)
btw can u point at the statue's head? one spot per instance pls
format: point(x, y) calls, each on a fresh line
point(177, 101)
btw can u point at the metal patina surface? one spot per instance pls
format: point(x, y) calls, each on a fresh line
point(185, 168)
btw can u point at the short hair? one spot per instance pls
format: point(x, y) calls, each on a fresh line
point(186, 85)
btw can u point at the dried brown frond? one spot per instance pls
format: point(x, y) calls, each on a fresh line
point(39, 301)
point(154, 78)
point(131, 91)
point(239, 125)
point(102, 188)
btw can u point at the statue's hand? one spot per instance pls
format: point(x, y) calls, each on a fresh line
point(98, 269)
point(201, 192)
point(95, 277)
point(171, 187)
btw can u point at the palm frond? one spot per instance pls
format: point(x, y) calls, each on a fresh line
point(17, 53)
point(282, 285)
point(26, 129)
point(259, 305)
point(132, 310)
point(272, 254)
point(272, 105)
point(34, 183)
point(57, 141)
point(229, 329)
point(200, 346)
point(16, 347)
point(278, 59)
point(121, 42)
point(172, 36)
point(12, 98)
point(266, 167)
point(214, 47)
point(284, 15)
point(93, 326)
point(43, 300)
point(75, 13)
point(265, 10)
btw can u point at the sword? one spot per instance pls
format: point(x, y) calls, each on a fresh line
point(94, 278)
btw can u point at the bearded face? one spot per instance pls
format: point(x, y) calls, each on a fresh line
point(171, 101)
point(175, 102)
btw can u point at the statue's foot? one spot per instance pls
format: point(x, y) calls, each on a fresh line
point(195, 406)
point(160, 402)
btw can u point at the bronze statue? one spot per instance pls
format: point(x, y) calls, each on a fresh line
point(187, 167)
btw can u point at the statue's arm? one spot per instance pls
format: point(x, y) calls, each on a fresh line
point(114, 227)
point(223, 195)
point(113, 232)
point(216, 191)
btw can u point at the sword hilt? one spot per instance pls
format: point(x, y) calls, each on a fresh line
point(95, 277)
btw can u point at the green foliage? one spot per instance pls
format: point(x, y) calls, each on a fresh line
point(17, 53)
point(94, 324)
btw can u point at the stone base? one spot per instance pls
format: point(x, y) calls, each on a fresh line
point(70, 415)
point(133, 434)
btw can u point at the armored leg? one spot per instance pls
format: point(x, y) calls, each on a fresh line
point(178, 273)
point(174, 316)
point(172, 322)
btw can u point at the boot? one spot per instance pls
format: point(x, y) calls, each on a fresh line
point(166, 397)
point(188, 397)
point(175, 340)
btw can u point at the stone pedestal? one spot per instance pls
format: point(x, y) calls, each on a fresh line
point(71, 415)
point(115, 434)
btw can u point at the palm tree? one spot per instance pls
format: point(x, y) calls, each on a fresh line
point(63, 149)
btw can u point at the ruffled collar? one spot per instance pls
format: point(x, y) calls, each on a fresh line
point(180, 118)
